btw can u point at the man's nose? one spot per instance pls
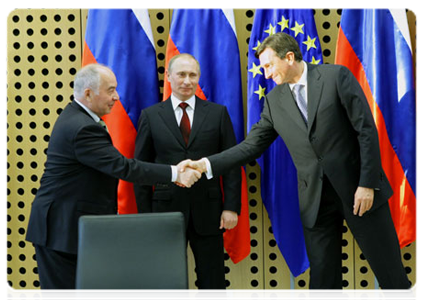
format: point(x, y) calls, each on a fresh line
point(187, 80)
point(267, 74)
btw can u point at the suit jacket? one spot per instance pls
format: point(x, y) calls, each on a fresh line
point(160, 140)
point(340, 141)
point(81, 176)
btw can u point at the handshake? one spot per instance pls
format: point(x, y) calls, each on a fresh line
point(190, 171)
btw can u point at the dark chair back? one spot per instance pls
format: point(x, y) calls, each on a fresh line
point(137, 251)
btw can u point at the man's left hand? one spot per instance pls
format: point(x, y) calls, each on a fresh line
point(363, 200)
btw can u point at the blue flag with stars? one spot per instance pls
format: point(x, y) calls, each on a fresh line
point(278, 174)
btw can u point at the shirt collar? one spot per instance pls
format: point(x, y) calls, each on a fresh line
point(89, 111)
point(303, 79)
point(176, 101)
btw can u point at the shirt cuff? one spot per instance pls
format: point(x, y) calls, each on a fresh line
point(174, 173)
point(209, 173)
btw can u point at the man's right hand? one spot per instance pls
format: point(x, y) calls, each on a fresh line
point(187, 177)
point(199, 165)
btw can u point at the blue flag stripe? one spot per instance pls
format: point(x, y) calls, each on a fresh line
point(217, 66)
point(279, 176)
point(120, 32)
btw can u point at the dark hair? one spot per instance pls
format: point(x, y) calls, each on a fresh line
point(281, 43)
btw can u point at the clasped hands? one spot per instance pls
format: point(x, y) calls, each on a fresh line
point(189, 172)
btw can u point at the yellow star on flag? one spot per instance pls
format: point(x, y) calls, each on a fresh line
point(310, 43)
point(255, 70)
point(258, 45)
point(271, 30)
point(283, 23)
point(260, 92)
point(314, 61)
point(298, 28)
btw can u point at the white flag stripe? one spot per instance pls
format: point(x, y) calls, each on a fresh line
point(229, 13)
point(144, 19)
point(400, 19)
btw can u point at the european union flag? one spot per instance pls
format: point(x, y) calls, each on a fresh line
point(278, 173)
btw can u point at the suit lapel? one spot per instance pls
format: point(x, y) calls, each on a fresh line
point(200, 114)
point(168, 116)
point(314, 93)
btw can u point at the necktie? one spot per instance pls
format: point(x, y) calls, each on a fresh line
point(185, 126)
point(302, 105)
point(102, 123)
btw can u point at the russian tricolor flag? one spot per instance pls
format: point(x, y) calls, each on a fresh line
point(375, 45)
point(122, 39)
point(209, 35)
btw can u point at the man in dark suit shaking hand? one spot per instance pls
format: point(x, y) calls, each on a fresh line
point(81, 176)
point(322, 114)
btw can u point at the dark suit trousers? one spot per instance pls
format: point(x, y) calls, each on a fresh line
point(57, 270)
point(375, 234)
point(209, 258)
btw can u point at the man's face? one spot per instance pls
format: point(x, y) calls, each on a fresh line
point(184, 77)
point(102, 103)
point(275, 68)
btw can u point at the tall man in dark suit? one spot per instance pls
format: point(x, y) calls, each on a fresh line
point(81, 176)
point(169, 132)
point(323, 116)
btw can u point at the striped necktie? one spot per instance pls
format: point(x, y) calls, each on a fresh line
point(102, 123)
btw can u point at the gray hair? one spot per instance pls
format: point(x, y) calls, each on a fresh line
point(88, 77)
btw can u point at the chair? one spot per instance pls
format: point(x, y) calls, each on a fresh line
point(138, 251)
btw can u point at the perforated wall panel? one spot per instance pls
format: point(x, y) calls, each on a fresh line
point(44, 50)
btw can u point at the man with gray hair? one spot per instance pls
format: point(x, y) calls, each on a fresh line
point(81, 176)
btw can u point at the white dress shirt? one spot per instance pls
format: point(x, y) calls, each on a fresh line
point(178, 110)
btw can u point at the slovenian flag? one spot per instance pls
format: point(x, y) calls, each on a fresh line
point(122, 40)
point(279, 186)
point(375, 45)
point(209, 35)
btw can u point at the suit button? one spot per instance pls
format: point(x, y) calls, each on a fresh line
point(320, 158)
point(313, 139)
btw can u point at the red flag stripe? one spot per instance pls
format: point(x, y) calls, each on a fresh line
point(390, 162)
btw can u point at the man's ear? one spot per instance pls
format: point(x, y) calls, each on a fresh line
point(88, 94)
point(291, 57)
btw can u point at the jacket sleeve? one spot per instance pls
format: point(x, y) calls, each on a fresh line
point(261, 136)
point(94, 148)
point(360, 116)
point(144, 150)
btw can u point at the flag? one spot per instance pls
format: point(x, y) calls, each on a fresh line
point(122, 39)
point(209, 35)
point(278, 173)
point(418, 83)
point(375, 45)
